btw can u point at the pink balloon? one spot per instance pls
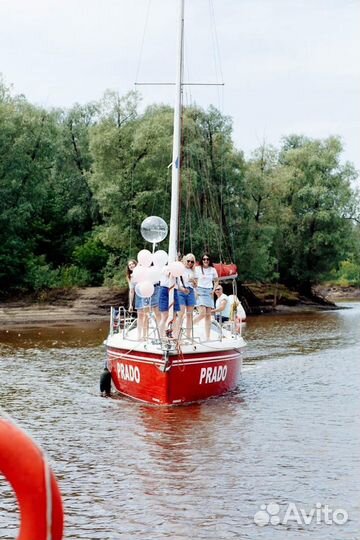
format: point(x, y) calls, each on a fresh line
point(144, 289)
point(176, 268)
point(144, 257)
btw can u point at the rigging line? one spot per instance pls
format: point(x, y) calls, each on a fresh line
point(202, 175)
point(131, 204)
point(218, 71)
point(187, 196)
point(181, 157)
point(215, 39)
point(187, 234)
point(182, 84)
point(143, 41)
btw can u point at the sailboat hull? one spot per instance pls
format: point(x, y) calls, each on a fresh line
point(174, 379)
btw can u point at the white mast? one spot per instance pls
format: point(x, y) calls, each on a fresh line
point(175, 171)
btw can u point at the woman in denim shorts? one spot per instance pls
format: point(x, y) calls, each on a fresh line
point(187, 292)
point(142, 305)
point(207, 280)
point(166, 282)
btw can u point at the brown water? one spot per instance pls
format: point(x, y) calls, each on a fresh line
point(289, 434)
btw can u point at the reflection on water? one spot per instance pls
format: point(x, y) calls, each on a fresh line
point(289, 433)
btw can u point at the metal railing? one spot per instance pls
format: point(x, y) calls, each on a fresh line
point(123, 321)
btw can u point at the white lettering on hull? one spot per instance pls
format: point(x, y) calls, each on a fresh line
point(128, 373)
point(213, 374)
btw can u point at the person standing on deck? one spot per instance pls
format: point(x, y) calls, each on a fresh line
point(166, 282)
point(142, 305)
point(206, 281)
point(186, 292)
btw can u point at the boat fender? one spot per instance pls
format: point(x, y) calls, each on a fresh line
point(105, 382)
point(25, 467)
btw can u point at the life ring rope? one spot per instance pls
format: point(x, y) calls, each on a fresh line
point(35, 486)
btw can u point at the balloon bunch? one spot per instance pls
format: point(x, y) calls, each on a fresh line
point(150, 268)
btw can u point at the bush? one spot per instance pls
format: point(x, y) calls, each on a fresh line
point(92, 257)
point(114, 273)
point(350, 272)
point(73, 276)
point(347, 275)
point(39, 274)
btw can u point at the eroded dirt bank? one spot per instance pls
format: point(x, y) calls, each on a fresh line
point(66, 307)
point(62, 307)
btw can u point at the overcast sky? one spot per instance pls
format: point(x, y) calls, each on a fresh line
point(289, 66)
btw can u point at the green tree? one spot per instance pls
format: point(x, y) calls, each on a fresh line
point(317, 232)
point(27, 148)
point(212, 177)
point(72, 211)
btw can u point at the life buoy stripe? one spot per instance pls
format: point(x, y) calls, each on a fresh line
point(25, 467)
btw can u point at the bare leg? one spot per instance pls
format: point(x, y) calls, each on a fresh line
point(180, 317)
point(207, 323)
point(143, 323)
point(140, 323)
point(189, 314)
point(162, 325)
point(177, 326)
point(157, 315)
point(146, 323)
point(201, 315)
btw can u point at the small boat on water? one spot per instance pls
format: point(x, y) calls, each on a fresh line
point(175, 370)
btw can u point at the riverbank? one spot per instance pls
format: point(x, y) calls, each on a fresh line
point(62, 307)
point(69, 306)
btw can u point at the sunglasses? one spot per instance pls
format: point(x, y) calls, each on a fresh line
point(190, 262)
point(205, 259)
point(217, 290)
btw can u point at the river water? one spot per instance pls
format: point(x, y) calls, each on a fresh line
point(285, 445)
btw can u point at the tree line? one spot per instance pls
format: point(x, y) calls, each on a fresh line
point(76, 184)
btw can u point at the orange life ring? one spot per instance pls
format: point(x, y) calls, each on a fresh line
point(25, 467)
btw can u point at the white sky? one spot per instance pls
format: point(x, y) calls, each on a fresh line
point(289, 66)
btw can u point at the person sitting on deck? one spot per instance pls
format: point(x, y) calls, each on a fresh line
point(222, 305)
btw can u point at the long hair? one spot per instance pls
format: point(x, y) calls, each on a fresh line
point(188, 256)
point(201, 261)
point(128, 271)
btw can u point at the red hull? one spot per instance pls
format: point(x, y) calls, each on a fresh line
point(191, 377)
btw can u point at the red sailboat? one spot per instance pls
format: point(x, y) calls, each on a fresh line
point(169, 371)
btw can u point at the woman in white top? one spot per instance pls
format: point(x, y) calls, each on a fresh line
point(142, 305)
point(206, 281)
point(187, 292)
point(167, 282)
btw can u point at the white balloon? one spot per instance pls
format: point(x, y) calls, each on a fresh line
point(144, 289)
point(154, 274)
point(144, 257)
point(139, 273)
point(176, 268)
point(160, 258)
